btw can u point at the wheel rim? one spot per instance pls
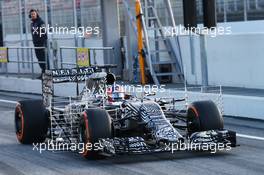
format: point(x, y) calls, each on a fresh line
point(192, 120)
point(19, 122)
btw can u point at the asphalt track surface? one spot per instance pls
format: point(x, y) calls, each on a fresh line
point(248, 158)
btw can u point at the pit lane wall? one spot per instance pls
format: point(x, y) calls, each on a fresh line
point(233, 105)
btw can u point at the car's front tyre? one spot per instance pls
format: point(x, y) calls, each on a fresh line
point(31, 121)
point(94, 124)
point(203, 116)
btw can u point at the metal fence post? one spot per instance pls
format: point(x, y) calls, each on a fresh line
point(6, 66)
point(32, 64)
point(18, 62)
point(75, 21)
point(235, 5)
point(61, 58)
point(47, 50)
point(245, 10)
point(114, 53)
point(257, 4)
point(21, 29)
point(46, 59)
point(225, 15)
point(248, 5)
point(192, 52)
point(94, 56)
point(27, 31)
point(6, 70)
point(204, 66)
point(77, 82)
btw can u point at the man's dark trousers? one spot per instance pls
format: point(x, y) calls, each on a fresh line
point(42, 56)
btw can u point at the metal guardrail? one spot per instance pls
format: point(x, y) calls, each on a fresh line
point(92, 49)
point(17, 58)
point(20, 61)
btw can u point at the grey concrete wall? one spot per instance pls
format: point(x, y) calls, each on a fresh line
point(233, 60)
point(110, 31)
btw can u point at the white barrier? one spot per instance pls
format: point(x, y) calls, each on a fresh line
point(234, 105)
point(233, 60)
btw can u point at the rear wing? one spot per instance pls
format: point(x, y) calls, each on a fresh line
point(78, 74)
point(73, 75)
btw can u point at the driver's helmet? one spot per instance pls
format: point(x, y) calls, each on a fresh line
point(115, 93)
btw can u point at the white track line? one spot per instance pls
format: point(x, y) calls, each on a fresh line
point(250, 137)
point(8, 101)
point(238, 135)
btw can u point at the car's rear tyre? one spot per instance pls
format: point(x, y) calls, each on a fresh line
point(31, 121)
point(94, 124)
point(203, 116)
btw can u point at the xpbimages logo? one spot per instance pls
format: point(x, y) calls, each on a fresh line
point(213, 31)
point(59, 30)
point(59, 146)
point(212, 147)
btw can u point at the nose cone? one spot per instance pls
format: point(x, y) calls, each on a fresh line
point(168, 134)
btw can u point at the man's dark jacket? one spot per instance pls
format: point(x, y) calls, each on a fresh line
point(36, 25)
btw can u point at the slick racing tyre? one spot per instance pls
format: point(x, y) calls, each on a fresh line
point(94, 124)
point(31, 121)
point(203, 116)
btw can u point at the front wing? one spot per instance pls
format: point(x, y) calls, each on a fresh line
point(197, 141)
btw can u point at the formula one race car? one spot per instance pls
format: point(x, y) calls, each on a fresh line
point(117, 122)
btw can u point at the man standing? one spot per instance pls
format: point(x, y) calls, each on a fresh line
point(39, 39)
